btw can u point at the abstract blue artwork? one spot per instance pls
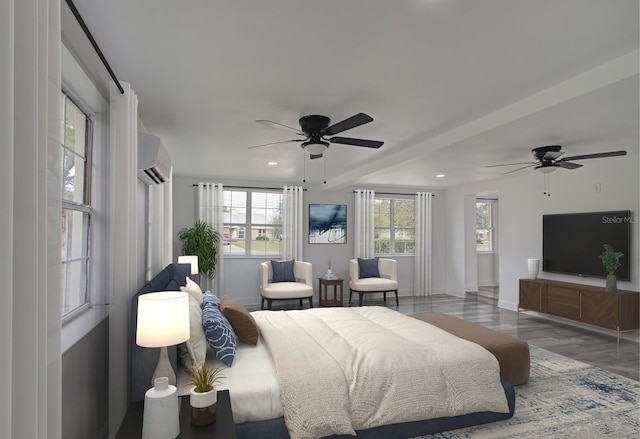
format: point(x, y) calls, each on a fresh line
point(327, 224)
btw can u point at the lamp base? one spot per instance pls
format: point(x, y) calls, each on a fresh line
point(164, 369)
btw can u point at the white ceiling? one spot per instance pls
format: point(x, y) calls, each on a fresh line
point(452, 85)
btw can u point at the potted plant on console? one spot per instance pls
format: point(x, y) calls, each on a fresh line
point(611, 262)
point(203, 396)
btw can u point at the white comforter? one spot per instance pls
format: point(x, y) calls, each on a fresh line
point(346, 369)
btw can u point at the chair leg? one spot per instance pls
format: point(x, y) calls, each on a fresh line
point(397, 303)
point(384, 295)
point(300, 303)
point(350, 293)
point(269, 303)
point(360, 298)
point(310, 302)
point(262, 305)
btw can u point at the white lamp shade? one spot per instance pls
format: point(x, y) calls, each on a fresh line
point(193, 260)
point(163, 319)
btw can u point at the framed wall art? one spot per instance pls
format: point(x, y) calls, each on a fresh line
point(327, 223)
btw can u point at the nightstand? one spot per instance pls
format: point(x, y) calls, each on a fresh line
point(223, 428)
point(323, 284)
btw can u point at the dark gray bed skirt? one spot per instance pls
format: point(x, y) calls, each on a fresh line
point(276, 428)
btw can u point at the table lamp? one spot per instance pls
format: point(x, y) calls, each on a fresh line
point(163, 320)
point(193, 260)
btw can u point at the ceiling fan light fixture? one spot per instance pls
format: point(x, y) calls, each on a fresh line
point(546, 169)
point(315, 146)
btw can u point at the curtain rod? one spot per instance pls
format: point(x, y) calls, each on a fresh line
point(394, 193)
point(249, 187)
point(94, 44)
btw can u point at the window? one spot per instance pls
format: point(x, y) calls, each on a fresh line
point(484, 226)
point(76, 204)
point(394, 226)
point(253, 221)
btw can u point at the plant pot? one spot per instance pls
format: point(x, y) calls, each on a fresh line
point(203, 407)
point(612, 284)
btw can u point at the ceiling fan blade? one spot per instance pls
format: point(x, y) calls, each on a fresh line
point(357, 142)
point(315, 156)
point(552, 155)
point(594, 156)
point(347, 124)
point(519, 169)
point(511, 164)
point(275, 143)
point(568, 165)
point(278, 125)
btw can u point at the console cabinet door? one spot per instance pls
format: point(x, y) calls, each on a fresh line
point(563, 302)
point(599, 309)
point(531, 295)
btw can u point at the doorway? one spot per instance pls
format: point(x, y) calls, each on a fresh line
point(487, 240)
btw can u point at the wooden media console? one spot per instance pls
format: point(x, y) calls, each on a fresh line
point(587, 304)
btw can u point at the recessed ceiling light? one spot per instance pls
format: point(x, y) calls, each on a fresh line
point(440, 176)
point(272, 163)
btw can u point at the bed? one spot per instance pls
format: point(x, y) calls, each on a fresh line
point(370, 371)
point(340, 372)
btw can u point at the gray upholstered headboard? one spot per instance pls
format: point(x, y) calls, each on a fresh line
point(145, 360)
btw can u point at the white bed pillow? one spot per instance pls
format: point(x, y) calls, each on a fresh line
point(193, 289)
point(194, 350)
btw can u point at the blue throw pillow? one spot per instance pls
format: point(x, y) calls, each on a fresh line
point(211, 298)
point(283, 271)
point(220, 336)
point(368, 268)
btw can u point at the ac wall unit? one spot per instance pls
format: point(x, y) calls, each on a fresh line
point(154, 163)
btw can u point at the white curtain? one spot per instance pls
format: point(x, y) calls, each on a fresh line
point(126, 277)
point(160, 251)
point(210, 209)
point(292, 238)
point(422, 258)
point(30, 194)
point(364, 236)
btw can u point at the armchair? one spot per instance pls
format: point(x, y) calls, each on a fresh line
point(301, 289)
point(386, 283)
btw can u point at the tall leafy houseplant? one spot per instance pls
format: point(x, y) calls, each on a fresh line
point(611, 262)
point(201, 240)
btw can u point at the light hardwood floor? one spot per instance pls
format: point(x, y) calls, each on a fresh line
point(588, 345)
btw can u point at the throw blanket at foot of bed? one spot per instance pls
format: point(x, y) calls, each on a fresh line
point(346, 369)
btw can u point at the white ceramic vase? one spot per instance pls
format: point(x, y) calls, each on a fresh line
point(534, 267)
point(160, 420)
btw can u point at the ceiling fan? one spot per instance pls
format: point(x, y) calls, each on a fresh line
point(547, 159)
point(314, 130)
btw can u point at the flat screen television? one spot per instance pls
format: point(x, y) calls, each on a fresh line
point(573, 242)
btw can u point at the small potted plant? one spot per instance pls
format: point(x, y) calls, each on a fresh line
point(611, 262)
point(204, 396)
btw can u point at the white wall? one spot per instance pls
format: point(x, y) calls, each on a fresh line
point(522, 205)
point(241, 275)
